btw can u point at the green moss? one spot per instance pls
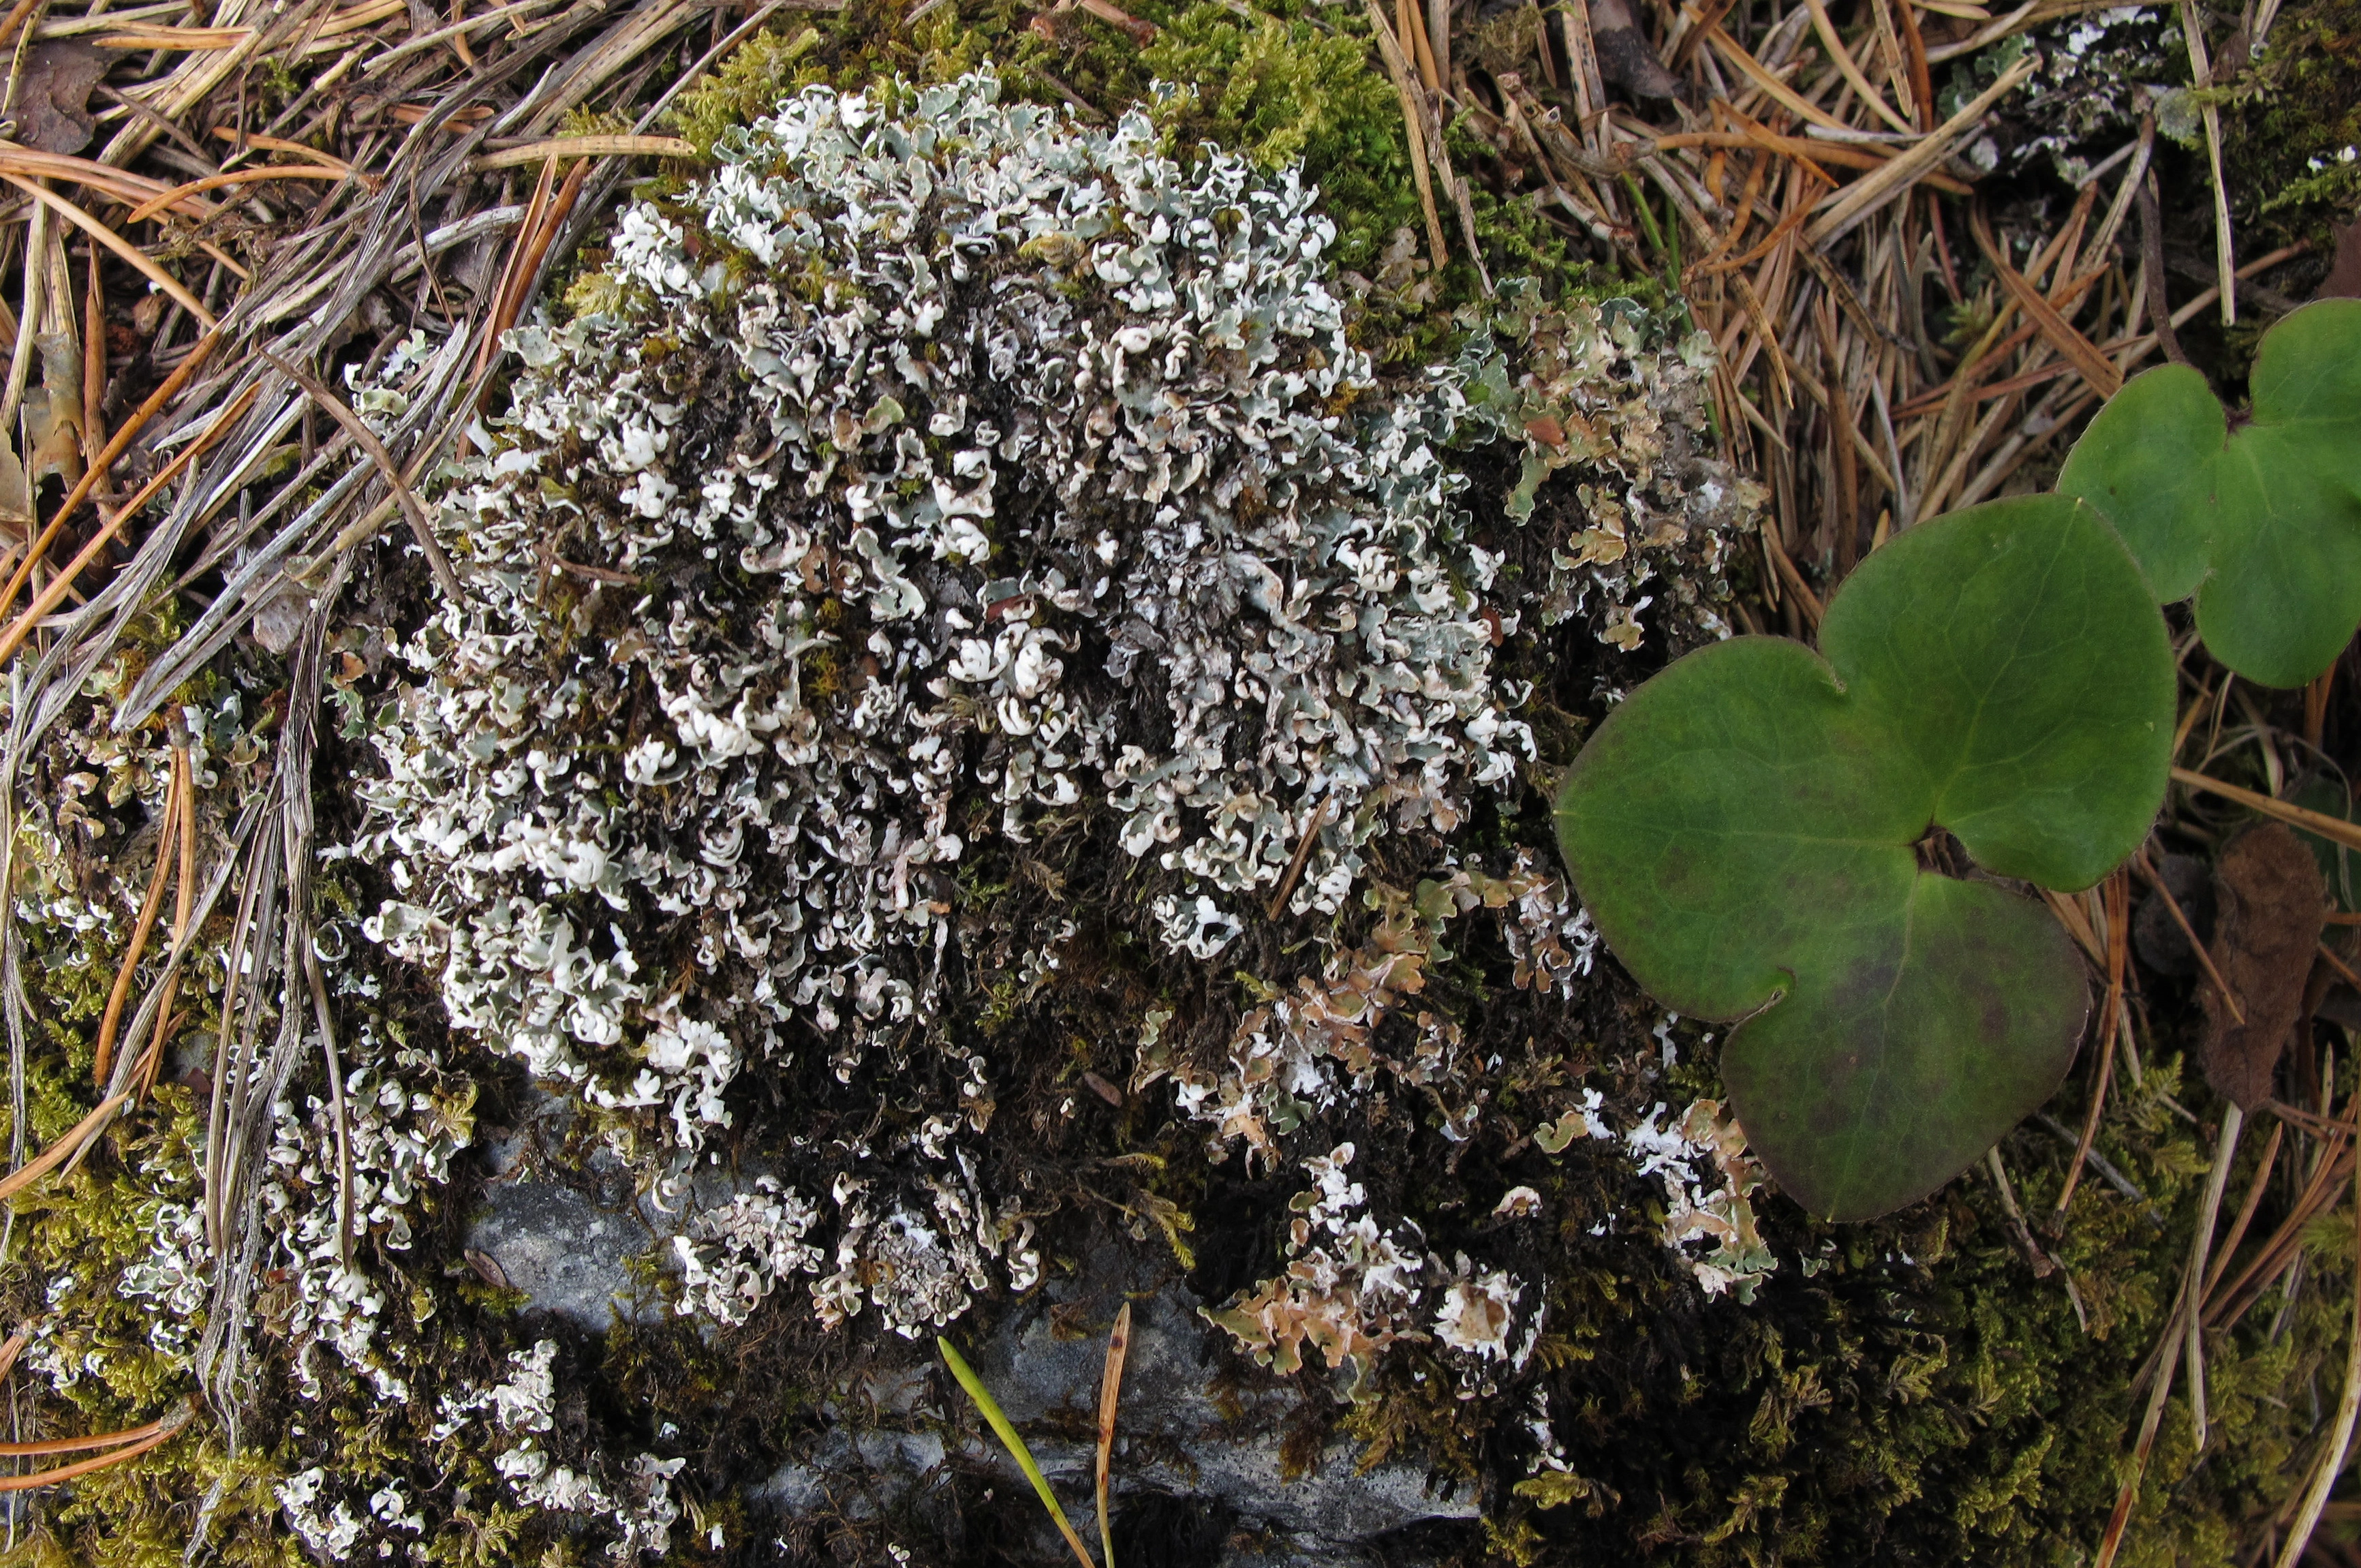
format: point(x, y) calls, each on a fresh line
point(745, 86)
point(2301, 105)
point(1287, 88)
point(1922, 1396)
point(1288, 81)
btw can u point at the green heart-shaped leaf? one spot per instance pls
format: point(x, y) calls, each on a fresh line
point(1742, 830)
point(2149, 472)
point(2263, 524)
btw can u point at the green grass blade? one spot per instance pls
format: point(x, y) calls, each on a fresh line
point(1009, 1439)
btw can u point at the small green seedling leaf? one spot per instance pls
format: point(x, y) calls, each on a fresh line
point(1745, 830)
point(1012, 1441)
point(2263, 523)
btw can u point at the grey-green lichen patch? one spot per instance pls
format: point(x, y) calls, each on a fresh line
point(111, 1272)
point(940, 478)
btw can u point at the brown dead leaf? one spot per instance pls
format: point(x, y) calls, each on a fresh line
point(2271, 901)
point(53, 95)
point(2343, 280)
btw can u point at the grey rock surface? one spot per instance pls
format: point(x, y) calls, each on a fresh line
point(1176, 1441)
point(567, 1252)
point(1184, 1447)
point(564, 1252)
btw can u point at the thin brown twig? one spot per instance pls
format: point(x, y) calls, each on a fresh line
point(183, 900)
point(2159, 303)
point(2335, 830)
point(1303, 848)
point(2180, 918)
point(367, 439)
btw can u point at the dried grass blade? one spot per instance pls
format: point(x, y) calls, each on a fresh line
point(175, 95)
point(93, 364)
point(121, 247)
point(155, 205)
point(2254, 1200)
point(1897, 60)
point(2348, 1406)
point(2193, 34)
point(2128, 1495)
point(1857, 201)
point(2209, 1210)
point(248, 141)
point(65, 1148)
point(526, 228)
point(1110, 1399)
point(2229, 1302)
point(1589, 86)
point(326, 1018)
point(1848, 68)
point(121, 184)
point(586, 147)
point(1390, 49)
point(1787, 225)
point(183, 905)
point(2335, 830)
point(2119, 909)
point(2078, 924)
point(149, 907)
point(1786, 97)
point(534, 248)
point(1409, 23)
point(137, 36)
point(640, 29)
point(2079, 351)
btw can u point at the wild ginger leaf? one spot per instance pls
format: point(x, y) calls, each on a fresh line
point(2263, 523)
point(2146, 465)
point(1744, 831)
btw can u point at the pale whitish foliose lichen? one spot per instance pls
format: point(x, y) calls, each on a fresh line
point(124, 1313)
point(940, 470)
point(926, 477)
